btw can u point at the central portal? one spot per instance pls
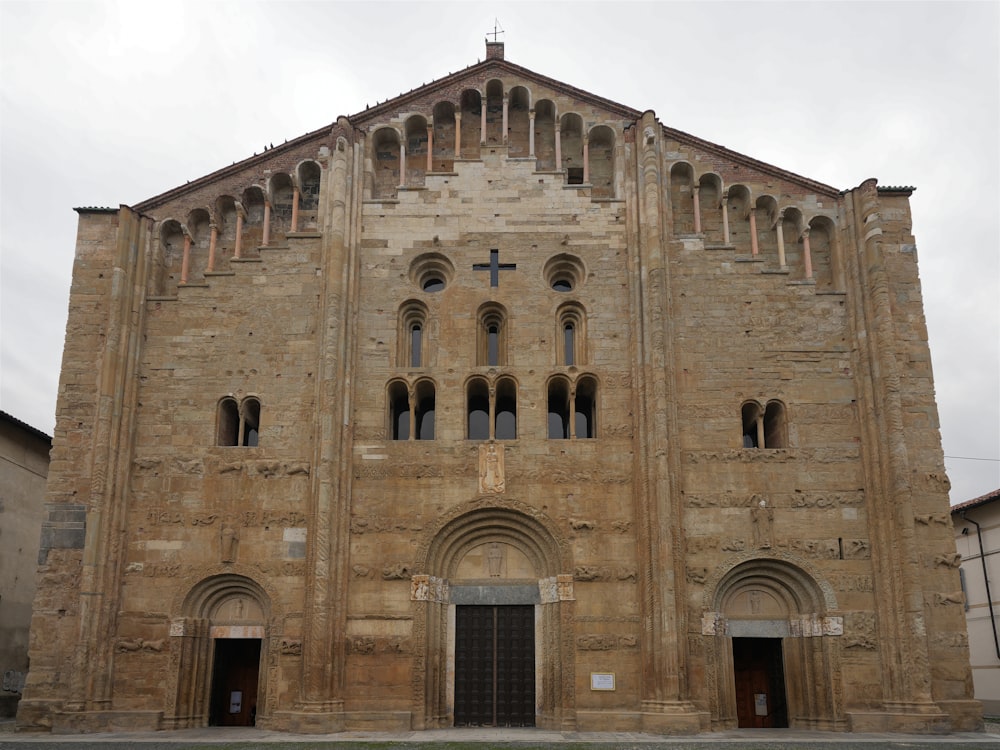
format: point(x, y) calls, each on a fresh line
point(495, 665)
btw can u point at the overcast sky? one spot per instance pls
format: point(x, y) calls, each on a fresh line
point(109, 103)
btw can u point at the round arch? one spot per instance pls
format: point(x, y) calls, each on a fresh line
point(778, 603)
point(226, 605)
point(458, 568)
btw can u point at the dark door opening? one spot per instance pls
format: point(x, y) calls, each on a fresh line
point(495, 666)
point(760, 683)
point(235, 672)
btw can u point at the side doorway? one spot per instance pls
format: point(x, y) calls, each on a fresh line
point(758, 668)
point(235, 678)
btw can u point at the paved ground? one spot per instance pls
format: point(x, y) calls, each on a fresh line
point(217, 738)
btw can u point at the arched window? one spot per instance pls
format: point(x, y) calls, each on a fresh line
point(228, 422)
point(478, 410)
point(423, 410)
point(571, 137)
point(775, 432)
point(491, 344)
point(238, 424)
point(250, 420)
point(753, 426)
point(399, 410)
point(416, 151)
point(682, 197)
point(519, 105)
point(545, 136)
point(472, 104)
point(570, 335)
point(558, 409)
point(385, 145)
point(505, 422)
point(764, 427)
point(412, 333)
point(585, 408)
point(601, 154)
point(411, 410)
point(491, 413)
point(572, 409)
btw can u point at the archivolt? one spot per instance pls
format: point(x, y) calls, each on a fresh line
point(508, 522)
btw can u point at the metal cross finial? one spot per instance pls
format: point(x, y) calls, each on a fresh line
point(496, 29)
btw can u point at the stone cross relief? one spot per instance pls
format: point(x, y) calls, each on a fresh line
point(491, 478)
point(494, 267)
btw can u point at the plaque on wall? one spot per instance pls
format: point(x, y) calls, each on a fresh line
point(602, 680)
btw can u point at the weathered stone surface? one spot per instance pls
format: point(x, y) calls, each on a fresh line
point(658, 391)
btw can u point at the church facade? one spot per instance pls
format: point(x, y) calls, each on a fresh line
point(499, 403)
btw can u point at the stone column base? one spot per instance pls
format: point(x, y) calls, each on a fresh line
point(329, 721)
point(87, 722)
point(965, 715)
point(673, 717)
point(909, 718)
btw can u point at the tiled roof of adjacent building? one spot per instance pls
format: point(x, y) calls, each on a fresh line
point(975, 502)
point(24, 425)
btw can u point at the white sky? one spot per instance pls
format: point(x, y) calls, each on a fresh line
point(105, 103)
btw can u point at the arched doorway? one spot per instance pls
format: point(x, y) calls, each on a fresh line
point(223, 650)
point(492, 611)
point(773, 658)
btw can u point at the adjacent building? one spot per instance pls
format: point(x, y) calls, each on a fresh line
point(499, 403)
point(977, 537)
point(24, 465)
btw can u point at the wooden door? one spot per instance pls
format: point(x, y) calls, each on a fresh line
point(235, 673)
point(495, 666)
point(760, 683)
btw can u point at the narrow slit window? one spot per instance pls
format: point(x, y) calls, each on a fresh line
point(569, 343)
point(493, 344)
point(416, 345)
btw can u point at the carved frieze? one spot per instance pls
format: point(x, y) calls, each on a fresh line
point(376, 524)
point(590, 573)
point(791, 500)
point(245, 519)
point(133, 645)
point(153, 465)
point(396, 572)
point(368, 645)
point(291, 647)
point(949, 597)
point(940, 519)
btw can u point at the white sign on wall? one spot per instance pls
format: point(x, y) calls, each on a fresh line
point(602, 680)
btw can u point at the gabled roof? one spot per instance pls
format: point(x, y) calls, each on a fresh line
point(491, 67)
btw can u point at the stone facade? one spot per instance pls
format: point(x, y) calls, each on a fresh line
point(500, 343)
point(24, 464)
